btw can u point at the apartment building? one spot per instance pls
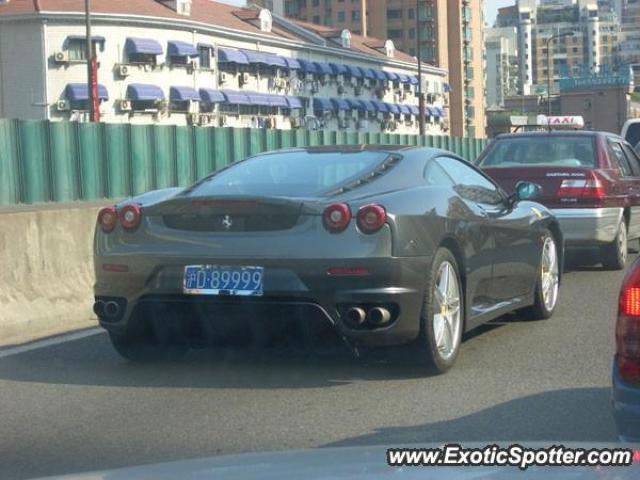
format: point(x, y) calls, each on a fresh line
point(450, 35)
point(501, 46)
point(630, 36)
point(206, 63)
point(589, 33)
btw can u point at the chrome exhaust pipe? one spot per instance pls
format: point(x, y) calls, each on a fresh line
point(379, 316)
point(111, 309)
point(98, 308)
point(356, 316)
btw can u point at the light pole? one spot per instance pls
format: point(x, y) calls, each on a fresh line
point(91, 66)
point(550, 68)
point(418, 49)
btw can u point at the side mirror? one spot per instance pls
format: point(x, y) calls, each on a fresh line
point(526, 191)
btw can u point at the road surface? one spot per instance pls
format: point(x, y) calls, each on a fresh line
point(76, 406)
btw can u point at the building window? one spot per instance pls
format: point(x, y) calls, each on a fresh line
point(316, 19)
point(341, 16)
point(355, 16)
point(411, 14)
point(394, 13)
point(466, 14)
point(327, 3)
point(77, 48)
point(394, 33)
point(315, 3)
point(204, 56)
point(412, 33)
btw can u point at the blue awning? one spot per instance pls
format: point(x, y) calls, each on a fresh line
point(413, 80)
point(392, 76)
point(182, 94)
point(393, 108)
point(79, 91)
point(380, 75)
point(142, 45)
point(258, 99)
point(262, 58)
point(277, 101)
point(141, 91)
point(324, 68)
point(432, 111)
point(380, 106)
point(414, 110)
point(292, 63)
point(236, 98)
point(355, 104)
point(340, 104)
point(405, 109)
point(210, 95)
point(94, 38)
point(322, 104)
point(354, 71)
point(308, 67)
point(294, 103)
point(369, 73)
point(181, 49)
point(338, 69)
point(226, 55)
point(403, 78)
point(368, 105)
point(441, 112)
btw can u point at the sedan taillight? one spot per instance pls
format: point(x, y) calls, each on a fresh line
point(107, 219)
point(371, 218)
point(130, 217)
point(336, 217)
point(589, 188)
point(628, 327)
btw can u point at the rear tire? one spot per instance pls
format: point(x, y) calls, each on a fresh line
point(442, 317)
point(614, 255)
point(139, 350)
point(548, 281)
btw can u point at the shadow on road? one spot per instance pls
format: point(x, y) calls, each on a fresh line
point(576, 414)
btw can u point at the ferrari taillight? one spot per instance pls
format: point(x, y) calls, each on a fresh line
point(628, 327)
point(371, 218)
point(336, 217)
point(130, 217)
point(107, 219)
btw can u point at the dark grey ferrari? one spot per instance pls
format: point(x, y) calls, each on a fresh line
point(385, 246)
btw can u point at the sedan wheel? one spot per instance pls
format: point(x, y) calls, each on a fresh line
point(442, 319)
point(614, 255)
point(548, 281)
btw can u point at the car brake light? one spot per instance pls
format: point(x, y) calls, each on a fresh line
point(107, 219)
point(628, 327)
point(582, 188)
point(371, 218)
point(130, 217)
point(336, 217)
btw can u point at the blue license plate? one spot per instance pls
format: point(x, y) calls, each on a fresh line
point(222, 280)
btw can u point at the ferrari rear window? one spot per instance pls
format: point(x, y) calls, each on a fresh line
point(550, 151)
point(296, 173)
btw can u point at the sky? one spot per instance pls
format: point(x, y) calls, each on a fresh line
point(490, 7)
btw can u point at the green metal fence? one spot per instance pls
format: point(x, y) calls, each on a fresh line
point(43, 161)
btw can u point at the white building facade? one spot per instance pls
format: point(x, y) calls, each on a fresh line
point(180, 69)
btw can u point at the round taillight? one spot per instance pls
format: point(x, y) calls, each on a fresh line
point(336, 217)
point(130, 217)
point(107, 219)
point(371, 218)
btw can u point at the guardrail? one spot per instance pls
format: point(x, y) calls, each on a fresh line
point(42, 161)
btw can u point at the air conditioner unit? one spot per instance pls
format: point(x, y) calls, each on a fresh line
point(405, 96)
point(61, 57)
point(315, 87)
point(357, 90)
point(192, 118)
point(309, 77)
point(340, 78)
point(192, 66)
point(123, 70)
point(193, 107)
point(341, 114)
point(125, 105)
point(354, 81)
point(223, 78)
point(340, 89)
point(244, 78)
point(148, 67)
point(380, 116)
point(63, 105)
point(367, 82)
point(223, 121)
point(326, 78)
point(205, 118)
point(363, 125)
point(343, 123)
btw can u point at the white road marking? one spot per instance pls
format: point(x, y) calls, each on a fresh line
point(49, 342)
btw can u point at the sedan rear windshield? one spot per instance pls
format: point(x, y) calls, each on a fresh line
point(291, 174)
point(543, 151)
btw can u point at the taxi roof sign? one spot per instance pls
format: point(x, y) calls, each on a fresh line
point(561, 121)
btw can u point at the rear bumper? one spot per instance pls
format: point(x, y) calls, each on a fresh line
point(289, 285)
point(625, 402)
point(588, 226)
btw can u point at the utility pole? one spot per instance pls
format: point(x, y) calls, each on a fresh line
point(418, 52)
point(92, 82)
